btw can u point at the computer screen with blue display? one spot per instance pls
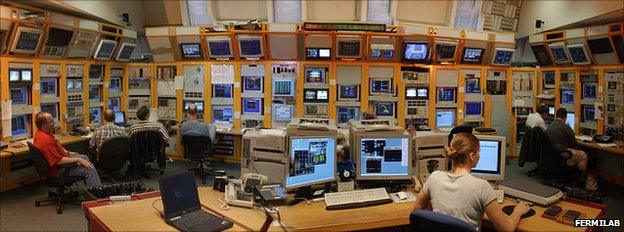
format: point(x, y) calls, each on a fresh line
point(251, 83)
point(250, 47)
point(120, 118)
point(198, 104)
point(384, 109)
point(19, 126)
point(48, 86)
point(222, 114)
point(222, 90)
point(491, 165)
point(312, 161)
point(567, 96)
point(19, 95)
point(445, 118)
point(472, 86)
point(473, 108)
point(347, 113)
point(588, 113)
point(383, 157)
point(446, 94)
point(416, 52)
point(589, 90)
point(220, 48)
point(252, 106)
point(570, 120)
point(348, 92)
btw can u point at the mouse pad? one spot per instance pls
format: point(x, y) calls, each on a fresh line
point(509, 209)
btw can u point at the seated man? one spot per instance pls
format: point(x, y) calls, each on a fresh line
point(105, 132)
point(143, 115)
point(57, 155)
point(194, 127)
point(562, 138)
point(537, 119)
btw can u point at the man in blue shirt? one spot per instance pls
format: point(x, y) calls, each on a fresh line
point(195, 127)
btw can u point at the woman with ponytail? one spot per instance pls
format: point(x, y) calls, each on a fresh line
point(459, 194)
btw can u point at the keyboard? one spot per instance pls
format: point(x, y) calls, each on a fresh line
point(356, 198)
point(197, 217)
point(584, 138)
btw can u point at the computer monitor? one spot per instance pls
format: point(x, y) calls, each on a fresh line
point(322, 95)
point(412, 93)
point(579, 54)
point(381, 86)
point(416, 52)
point(20, 126)
point(198, 104)
point(589, 90)
point(349, 48)
point(253, 84)
point(190, 51)
point(316, 95)
point(19, 95)
point(250, 46)
point(222, 90)
point(125, 52)
point(95, 114)
point(446, 94)
point(491, 165)
point(345, 114)
point(283, 87)
point(382, 157)
point(252, 105)
point(348, 92)
point(474, 108)
point(502, 56)
point(445, 118)
point(445, 51)
point(312, 161)
point(219, 47)
point(589, 112)
point(283, 113)
point(549, 80)
point(15, 75)
point(318, 53)
point(26, 74)
point(27, 40)
point(94, 92)
point(472, 85)
point(114, 84)
point(222, 114)
point(384, 109)
point(551, 110)
point(567, 96)
point(49, 86)
point(315, 75)
point(541, 55)
point(51, 108)
point(105, 49)
point(114, 103)
point(559, 53)
point(382, 51)
point(120, 118)
point(473, 55)
point(571, 120)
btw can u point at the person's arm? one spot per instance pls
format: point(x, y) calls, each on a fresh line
point(422, 201)
point(501, 221)
point(71, 160)
point(570, 134)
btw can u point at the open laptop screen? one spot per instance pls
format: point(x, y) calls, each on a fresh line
point(179, 194)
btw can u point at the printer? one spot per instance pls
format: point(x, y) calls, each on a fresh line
point(265, 152)
point(531, 191)
point(428, 150)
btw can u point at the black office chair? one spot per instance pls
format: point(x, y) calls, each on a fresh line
point(145, 147)
point(426, 220)
point(114, 154)
point(197, 148)
point(60, 182)
point(459, 129)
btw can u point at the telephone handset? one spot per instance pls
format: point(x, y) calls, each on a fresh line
point(251, 180)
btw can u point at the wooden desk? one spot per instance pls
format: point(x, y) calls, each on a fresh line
point(609, 167)
point(596, 147)
point(314, 217)
point(137, 215)
point(16, 167)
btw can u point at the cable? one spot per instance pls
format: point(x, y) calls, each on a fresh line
point(161, 213)
point(224, 206)
point(301, 198)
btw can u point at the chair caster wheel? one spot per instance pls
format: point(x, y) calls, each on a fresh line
point(59, 210)
point(37, 204)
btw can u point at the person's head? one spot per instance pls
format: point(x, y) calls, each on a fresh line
point(368, 115)
point(464, 150)
point(561, 114)
point(543, 110)
point(44, 121)
point(109, 115)
point(143, 113)
point(191, 111)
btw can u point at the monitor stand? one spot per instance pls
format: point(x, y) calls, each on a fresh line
point(307, 193)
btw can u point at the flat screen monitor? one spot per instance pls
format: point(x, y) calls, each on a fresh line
point(19, 95)
point(51, 108)
point(541, 55)
point(473, 55)
point(105, 49)
point(345, 114)
point(579, 54)
point(549, 79)
point(416, 52)
point(318, 53)
point(250, 46)
point(567, 96)
point(222, 90)
point(502, 56)
point(115, 84)
point(472, 86)
point(222, 114)
point(125, 52)
point(491, 165)
point(219, 47)
point(588, 113)
point(446, 94)
point(559, 53)
point(474, 108)
point(283, 87)
point(384, 109)
point(19, 126)
point(252, 105)
point(283, 113)
point(349, 92)
point(198, 104)
point(315, 75)
point(94, 92)
point(48, 86)
point(445, 52)
point(120, 118)
point(252, 84)
point(26, 40)
point(190, 51)
point(312, 161)
point(445, 118)
point(383, 157)
point(571, 120)
point(383, 86)
point(589, 90)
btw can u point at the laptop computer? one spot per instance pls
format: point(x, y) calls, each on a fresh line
point(181, 205)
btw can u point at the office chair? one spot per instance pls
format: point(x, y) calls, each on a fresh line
point(145, 146)
point(197, 148)
point(426, 220)
point(459, 129)
point(114, 154)
point(60, 182)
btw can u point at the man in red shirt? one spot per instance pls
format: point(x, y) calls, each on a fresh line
point(57, 155)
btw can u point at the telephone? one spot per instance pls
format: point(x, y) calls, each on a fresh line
point(251, 180)
point(268, 194)
point(239, 191)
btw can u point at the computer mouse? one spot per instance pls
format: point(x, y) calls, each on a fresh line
point(402, 195)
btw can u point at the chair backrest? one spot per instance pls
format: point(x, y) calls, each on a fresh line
point(426, 220)
point(459, 129)
point(114, 153)
point(146, 145)
point(197, 146)
point(40, 161)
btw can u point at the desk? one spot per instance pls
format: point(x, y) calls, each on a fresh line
point(137, 215)
point(16, 167)
point(609, 166)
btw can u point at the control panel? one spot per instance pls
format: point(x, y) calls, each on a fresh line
point(283, 77)
point(349, 82)
point(167, 103)
point(222, 80)
point(567, 90)
point(416, 95)
point(589, 96)
point(473, 98)
point(252, 77)
point(20, 87)
point(316, 91)
point(74, 90)
point(382, 92)
point(614, 98)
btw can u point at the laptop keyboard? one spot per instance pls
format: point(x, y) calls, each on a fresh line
point(196, 218)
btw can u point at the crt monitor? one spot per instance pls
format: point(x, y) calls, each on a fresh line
point(315, 75)
point(222, 114)
point(283, 113)
point(551, 110)
point(198, 104)
point(283, 87)
point(95, 115)
point(318, 53)
point(125, 52)
point(120, 118)
point(589, 90)
point(382, 157)
point(579, 54)
point(502, 56)
point(252, 83)
point(219, 47)
point(15, 75)
point(190, 51)
point(472, 85)
point(51, 108)
point(588, 113)
point(417, 52)
point(384, 109)
point(250, 46)
point(19, 126)
point(570, 120)
point(491, 165)
point(348, 92)
point(445, 118)
point(48, 86)
point(252, 105)
point(445, 51)
point(473, 55)
point(446, 94)
point(559, 53)
point(222, 90)
point(378, 85)
point(19, 95)
point(312, 161)
point(567, 96)
point(114, 84)
point(345, 114)
point(549, 79)
point(26, 40)
point(474, 108)
point(105, 49)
